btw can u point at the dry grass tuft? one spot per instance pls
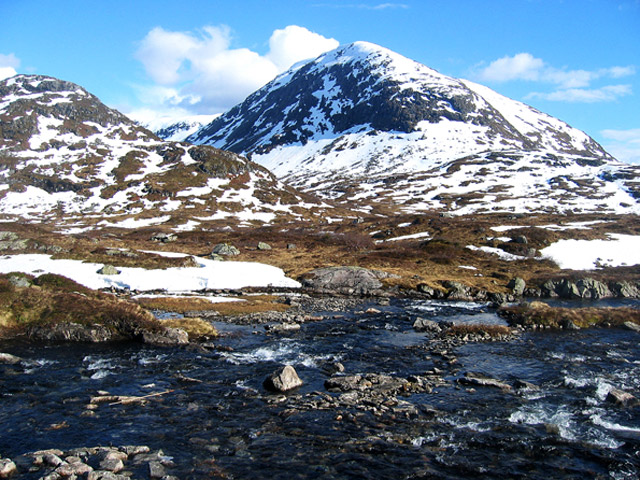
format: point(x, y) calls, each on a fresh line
point(196, 327)
point(540, 314)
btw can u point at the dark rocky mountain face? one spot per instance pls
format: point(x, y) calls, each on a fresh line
point(348, 124)
point(65, 155)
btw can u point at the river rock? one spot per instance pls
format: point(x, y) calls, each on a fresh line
point(621, 398)
point(9, 359)
point(477, 379)
point(282, 327)
point(170, 336)
point(591, 288)
point(7, 468)
point(109, 270)
point(626, 290)
point(263, 246)
point(458, 291)
point(283, 379)
point(628, 325)
point(517, 286)
point(424, 325)
point(348, 280)
point(225, 249)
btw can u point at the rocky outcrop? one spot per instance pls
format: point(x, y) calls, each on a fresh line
point(345, 280)
point(72, 332)
point(166, 337)
point(283, 380)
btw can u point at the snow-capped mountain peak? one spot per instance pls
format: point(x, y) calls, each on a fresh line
point(361, 114)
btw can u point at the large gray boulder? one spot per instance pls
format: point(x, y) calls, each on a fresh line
point(225, 249)
point(283, 380)
point(346, 280)
point(517, 286)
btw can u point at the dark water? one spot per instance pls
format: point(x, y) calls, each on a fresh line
point(229, 426)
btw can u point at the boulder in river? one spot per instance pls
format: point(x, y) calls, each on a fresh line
point(9, 359)
point(283, 380)
point(7, 468)
point(517, 286)
point(621, 398)
point(169, 336)
point(424, 325)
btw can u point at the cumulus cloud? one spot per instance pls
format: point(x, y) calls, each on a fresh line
point(623, 144)
point(571, 85)
point(8, 65)
point(200, 72)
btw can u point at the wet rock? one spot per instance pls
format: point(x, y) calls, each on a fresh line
point(7, 468)
point(8, 359)
point(77, 469)
point(621, 398)
point(113, 461)
point(156, 470)
point(331, 368)
point(263, 246)
point(424, 325)
point(628, 325)
point(347, 280)
point(517, 286)
point(283, 327)
point(109, 270)
point(283, 380)
point(225, 249)
point(522, 386)
point(170, 336)
point(477, 379)
point(73, 332)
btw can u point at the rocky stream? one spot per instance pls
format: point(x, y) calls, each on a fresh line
point(389, 390)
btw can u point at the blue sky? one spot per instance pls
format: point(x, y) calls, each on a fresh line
point(578, 60)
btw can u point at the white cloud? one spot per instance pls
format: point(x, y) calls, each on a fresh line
point(623, 144)
point(8, 65)
point(608, 93)
point(200, 71)
point(294, 44)
point(571, 85)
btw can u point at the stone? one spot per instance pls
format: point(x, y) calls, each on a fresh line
point(109, 270)
point(521, 239)
point(348, 280)
point(477, 379)
point(225, 249)
point(73, 332)
point(7, 468)
point(458, 291)
point(283, 327)
point(628, 325)
point(263, 246)
point(424, 325)
point(9, 359)
point(283, 380)
point(70, 469)
point(626, 290)
point(18, 280)
point(517, 286)
point(591, 288)
point(621, 398)
point(291, 246)
point(170, 336)
point(164, 237)
point(156, 470)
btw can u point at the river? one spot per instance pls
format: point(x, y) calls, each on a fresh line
point(213, 417)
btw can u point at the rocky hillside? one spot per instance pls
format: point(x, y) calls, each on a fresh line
point(368, 126)
point(68, 158)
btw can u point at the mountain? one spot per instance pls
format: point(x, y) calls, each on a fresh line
point(67, 158)
point(365, 125)
point(176, 129)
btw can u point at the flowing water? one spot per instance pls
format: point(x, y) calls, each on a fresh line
point(216, 420)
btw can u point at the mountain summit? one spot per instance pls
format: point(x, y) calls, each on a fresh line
point(355, 121)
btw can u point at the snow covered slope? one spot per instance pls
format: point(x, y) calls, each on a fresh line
point(67, 158)
point(176, 129)
point(364, 124)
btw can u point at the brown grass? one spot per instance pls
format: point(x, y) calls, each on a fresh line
point(195, 327)
point(249, 304)
point(461, 329)
point(541, 314)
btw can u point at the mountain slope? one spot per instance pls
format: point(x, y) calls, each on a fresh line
point(65, 156)
point(352, 122)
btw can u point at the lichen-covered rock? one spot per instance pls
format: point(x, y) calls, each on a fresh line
point(283, 380)
point(225, 249)
point(169, 336)
point(263, 246)
point(517, 286)
point(74, 332)
point(347, 280)
point(109, 270)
